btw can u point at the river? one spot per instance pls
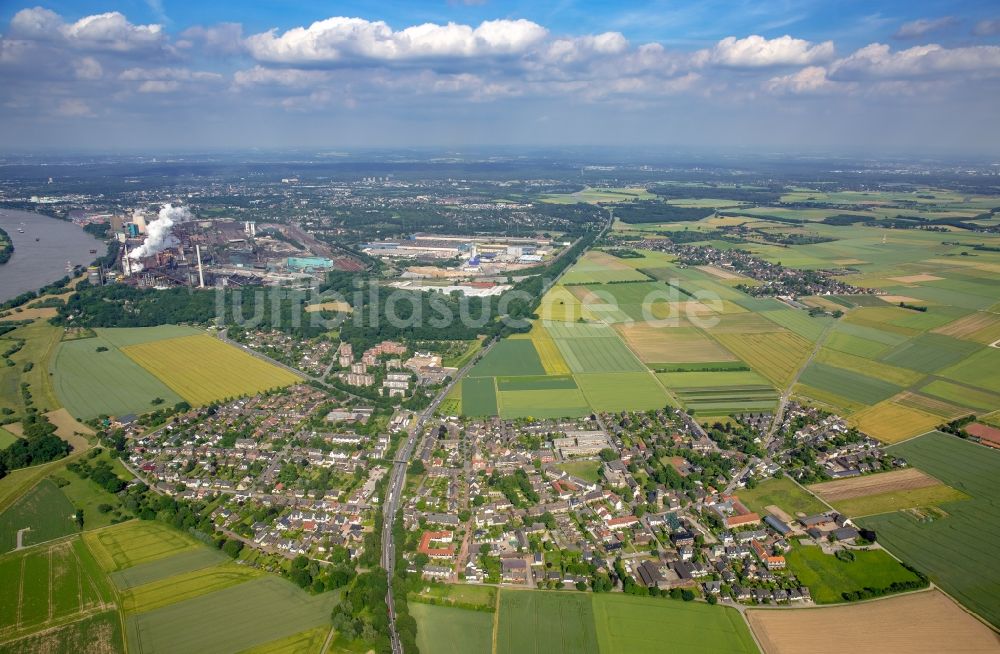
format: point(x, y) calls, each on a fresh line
point(36, 263)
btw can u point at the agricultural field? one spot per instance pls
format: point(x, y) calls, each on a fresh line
point(159, 569)
point(600, 268)
point(447, 630)
point(777, 356)
point(885, 492)
point(44, 511)
point(40, 340)
point(92, 377)
point(828, 577)
point(655, 345)
point(552, 403)
point(125, 336)
point(202, 369)
point(232, 619)
point(458, 595)
point(892, 422)
point(924, 622)
point(783, 493)
point(311, 640)
point(644, 625)
point(185, 585)
point(953, 543)
point(98, 634)
point(136, 542)
point(479, 396)
point(510, 357)
point(49, 586)
point(631, 391)
point(532, 622)
point(847, 383)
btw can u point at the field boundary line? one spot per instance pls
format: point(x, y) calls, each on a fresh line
point(496, 621)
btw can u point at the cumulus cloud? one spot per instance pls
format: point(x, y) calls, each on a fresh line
point(811, 80)
point(172, 74)
point(987, 27)
point(88, 68)
point(287, 77)
point(878, 61)
point(339, 39)
point(924, 26)
point(224, 38)
point(755, 51)
point(101, 32)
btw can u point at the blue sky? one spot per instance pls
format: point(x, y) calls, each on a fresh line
point(791, 74)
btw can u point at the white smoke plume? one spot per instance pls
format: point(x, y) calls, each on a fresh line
point(158, 234)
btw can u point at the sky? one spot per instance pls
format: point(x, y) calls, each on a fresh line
point(783, 75)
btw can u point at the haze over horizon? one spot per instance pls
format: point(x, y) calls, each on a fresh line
point(792, 75)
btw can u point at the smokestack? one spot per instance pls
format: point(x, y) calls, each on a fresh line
point(201, 274)
point(246, 227)
point(253, 230)
point(126, 264)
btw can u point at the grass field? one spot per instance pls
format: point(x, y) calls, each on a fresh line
point(783, 493)
point(827, 576)
point(311, 640)
point(532, 622)
point(202, 369)
point(982, 369)
point(185, 585)
point(509, 358)
point(125, 336)
point(955, 545)
point(460, 595)
point(969, 397)
point(44, 587)
point(586, 470)
point(136, 542)
point(631, 391)
point(170, 566)
point(91, 383)
point(600, 354)
point(885, 372)
point(554, 403)
point(601, 268)
point(643, 625)
point(921, 622)
point(232, 619)
point(44, 510)
point(87, 495)
point(848, 383)
point(40, 341)
point(930, 353)
point(479, 397)
point(447, 630)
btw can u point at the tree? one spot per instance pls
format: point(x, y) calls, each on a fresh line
point(233, 547)
point(607, 454)
point(79, 518)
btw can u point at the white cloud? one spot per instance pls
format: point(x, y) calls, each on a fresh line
point(108, 32)
point(88, 68)
point(158, 86)
point(878, 61)
point(810, 80)
point(171, 74)
point(755, 51)
point(224, 38)
point(987, 27)
point(73, 108)
point(287, 77)
point(340, 39)
point(918, 28)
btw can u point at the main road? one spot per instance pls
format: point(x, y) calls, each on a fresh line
point(402, 459)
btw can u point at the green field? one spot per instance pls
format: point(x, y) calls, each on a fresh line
point(827, 576)
point(509, 358)
point(640, 625)
point(533, 622)
point(186, 585)
point(586, 470)
point(44, 510)
point(955, 546)
point(479, 397)
point(87, 495)
point(40, 340)
point(930, 353)
point(158, 569)
point(447, 630)
point(232, 619)
point(848, 383)
point(600, 354)
point(627, 391)
point(136, 542)
point(547, 383)
point(556, 403)
point(899, 499)
point(91, 383)
point(6, 438)
point(47, 586)
point(783, 493)
point(981, 369)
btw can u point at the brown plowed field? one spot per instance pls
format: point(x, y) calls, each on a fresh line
point(922, 622)
point(886, 482)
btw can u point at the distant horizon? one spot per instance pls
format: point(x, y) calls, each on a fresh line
point(107, 75)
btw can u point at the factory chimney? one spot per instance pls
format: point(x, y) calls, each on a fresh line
point(201, 274)
point(126, 264)
point(253, 230)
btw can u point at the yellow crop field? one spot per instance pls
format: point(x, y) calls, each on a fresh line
point(776, 355)
point(560, 304)
point(981, 327)
point(672, 344)
point(891, 422)
point(202, 369)
point(548, 352)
